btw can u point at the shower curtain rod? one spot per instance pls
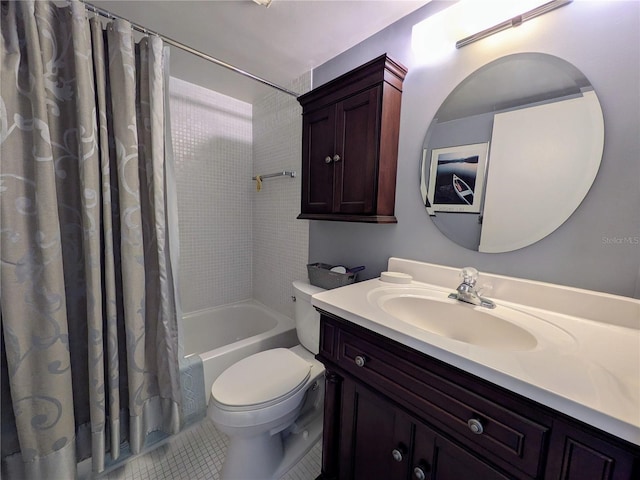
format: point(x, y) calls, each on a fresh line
point(186, 48)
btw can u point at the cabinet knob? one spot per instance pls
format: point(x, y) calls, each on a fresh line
point(475, 426)
point(336, 158)
point(396, 454)
point(327, 159)
point(420, 472)
point(360, 360)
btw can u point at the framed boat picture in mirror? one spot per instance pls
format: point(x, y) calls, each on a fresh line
point(456, 178)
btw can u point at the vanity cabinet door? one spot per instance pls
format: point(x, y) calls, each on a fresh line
point(575, 454)
point(375, 438)
point(449, 461)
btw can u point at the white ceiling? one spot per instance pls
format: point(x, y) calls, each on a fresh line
point(278, 43)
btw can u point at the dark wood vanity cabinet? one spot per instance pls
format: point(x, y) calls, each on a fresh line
point(394, 413)
point(385, 443)
point(350, 129)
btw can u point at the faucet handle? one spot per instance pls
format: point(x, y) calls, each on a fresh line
point(469, 276)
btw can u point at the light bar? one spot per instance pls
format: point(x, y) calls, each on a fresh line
point(513, 22)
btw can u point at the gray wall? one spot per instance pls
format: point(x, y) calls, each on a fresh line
point(598, 247)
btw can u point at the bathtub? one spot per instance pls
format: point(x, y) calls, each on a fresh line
point(223, 335)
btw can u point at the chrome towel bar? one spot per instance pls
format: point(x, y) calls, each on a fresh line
point(285, 173)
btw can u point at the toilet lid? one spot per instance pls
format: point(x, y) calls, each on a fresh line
point(262, 378)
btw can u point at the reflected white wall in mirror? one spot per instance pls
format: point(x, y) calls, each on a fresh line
point(543, 139)
point(543, 123)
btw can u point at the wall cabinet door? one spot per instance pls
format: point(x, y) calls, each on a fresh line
point(340, 156)
point(318, 146)
point(357, 133)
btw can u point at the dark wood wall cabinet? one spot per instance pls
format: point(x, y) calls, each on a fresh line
point(392, 412)
point(350, 129)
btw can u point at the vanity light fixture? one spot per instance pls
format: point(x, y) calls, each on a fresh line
point(513, 22)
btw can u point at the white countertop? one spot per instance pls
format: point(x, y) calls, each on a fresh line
point(592, 373)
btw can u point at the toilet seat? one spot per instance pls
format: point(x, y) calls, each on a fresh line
point(274, 376)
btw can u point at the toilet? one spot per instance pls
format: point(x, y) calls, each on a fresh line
point(270, 403)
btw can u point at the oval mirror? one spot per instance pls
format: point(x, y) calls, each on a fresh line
point(512, 152)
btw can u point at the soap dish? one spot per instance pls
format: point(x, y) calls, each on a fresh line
point(395, 277)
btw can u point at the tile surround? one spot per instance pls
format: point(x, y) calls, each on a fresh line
point(236, 243)
point(212, 142)
point(280, 241)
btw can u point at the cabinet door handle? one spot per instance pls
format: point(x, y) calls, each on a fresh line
point(327, 159)
point(336, 158)
point(475, 426)
point(420, 472)
point(397, 454)
point(360, 360)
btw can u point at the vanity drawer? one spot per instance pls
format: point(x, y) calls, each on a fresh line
point(434, 391)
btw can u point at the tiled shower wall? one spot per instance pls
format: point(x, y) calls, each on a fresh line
point(280, 241)
point(212, 143)
point(236, 243)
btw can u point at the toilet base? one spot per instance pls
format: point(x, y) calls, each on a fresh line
point(266, 456)
point(297, 445)
point(252, 458)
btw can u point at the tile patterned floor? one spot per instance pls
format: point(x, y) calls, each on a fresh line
point(197, 453)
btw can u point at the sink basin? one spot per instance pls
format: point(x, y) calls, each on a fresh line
point(501, 328)
point(464, 323)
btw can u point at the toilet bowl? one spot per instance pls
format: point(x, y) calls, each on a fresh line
point(270, 404)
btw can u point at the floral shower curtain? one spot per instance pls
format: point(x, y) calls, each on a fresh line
point(89, 330)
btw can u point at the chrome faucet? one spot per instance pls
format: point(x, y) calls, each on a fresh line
point(466, 291)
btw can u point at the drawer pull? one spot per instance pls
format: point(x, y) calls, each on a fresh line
point(475, 426)
point(396, 454)
point(328, 159)
point(336, 158)
point(360, 360)
point(420, 472)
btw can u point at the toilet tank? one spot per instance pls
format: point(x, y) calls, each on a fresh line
point(307, 318)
